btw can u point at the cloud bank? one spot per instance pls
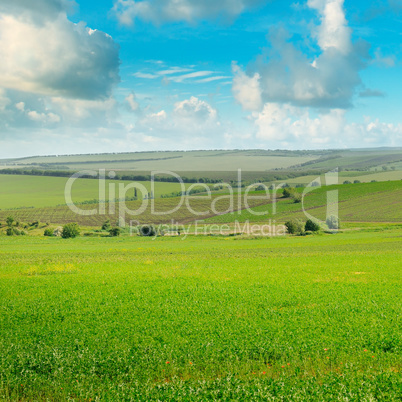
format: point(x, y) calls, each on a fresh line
point(42, 52)
point(162, 11)
point(287, 75)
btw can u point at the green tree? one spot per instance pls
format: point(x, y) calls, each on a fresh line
point(9, 221)
point(106, 225)
point(70, 230)
point(311, 226)
point(295, 226)
point(114, 232)
point(333, 222)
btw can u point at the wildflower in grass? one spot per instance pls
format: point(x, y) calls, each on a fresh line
point(264, 372)
point(167, 362)
point(365, 350)
point(325, 350)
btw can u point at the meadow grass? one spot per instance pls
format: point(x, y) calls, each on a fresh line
point(209, 318)
point(39, 191)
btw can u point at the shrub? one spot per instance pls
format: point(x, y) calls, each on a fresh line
point(333, 222)
point(70, 230)
point(295, 226)
point(106, 225)
point(287, 193)
point(147, 231)
point(10, 221)
point(357, 181)
point(48, 232)
point(311, 226)
point(297, 198)
point(347, 182)
point(114, 232)
point(10, 232)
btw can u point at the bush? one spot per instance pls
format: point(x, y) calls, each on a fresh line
point(70, 230)
point(347, 182)
point(297, 198)
point(333, 222)
point(147, 231)
point(311, 226)
point(48, 232)
point(106, 225)
point(10, 221)
point(114, 232)
point(10, 232)
point(288, 192)
point(295, 226)
point(357, 181)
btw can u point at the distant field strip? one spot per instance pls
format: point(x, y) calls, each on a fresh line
point(365, 202)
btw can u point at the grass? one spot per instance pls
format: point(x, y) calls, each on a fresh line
point(381, 200)
point(300, 318)
point(208, 161)
point(39, 192)
point(364, 202)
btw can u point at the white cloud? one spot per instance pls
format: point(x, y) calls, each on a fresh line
point(190, 118)
point(196, 111)
point(160, 11)
point(333, 31)
point(147, 76)
point(45, 118)
point(287, 75)
point(133, 104)
point(83, 112)
point(289, 126)
point(44, 53)
point(195, 74)
point(246, 89)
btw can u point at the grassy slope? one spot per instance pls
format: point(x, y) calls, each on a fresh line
point(181, 161)
point(36, 191)
point(366, 202)
point(364, 177)
point(298, 319)
point(166, 210)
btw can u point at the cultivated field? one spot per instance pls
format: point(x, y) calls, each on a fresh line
point(297, 318)
point(37, 191)
point(382, 203)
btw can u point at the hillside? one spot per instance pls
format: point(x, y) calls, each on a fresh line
point(365, 202)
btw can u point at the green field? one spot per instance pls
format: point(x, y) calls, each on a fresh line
point(37, 191)
point(382, 203)
point(198, 161)
point(297, 318)
point(180, 317)
point(365, 202)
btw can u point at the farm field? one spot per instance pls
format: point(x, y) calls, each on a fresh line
point(363, 202)
point(294, 318)
point(364, 177)
point(254, 160)
point(382, 203)
point(37, 191)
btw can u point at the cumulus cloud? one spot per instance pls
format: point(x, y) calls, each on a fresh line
point(160, 11)
point(246, 89)
point(42, 52)
point(284, 125)
point(195, 111)
point(287, 75)
point(189, 118)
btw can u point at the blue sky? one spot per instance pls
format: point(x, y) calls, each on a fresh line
point(126, 75)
